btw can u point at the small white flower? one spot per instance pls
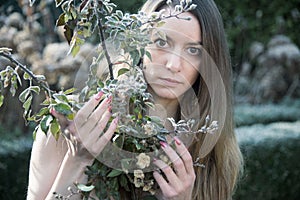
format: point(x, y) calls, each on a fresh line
point(148, 185)
point(138, 174)
point(169, 2)
point(143, 161)
point(138, 178)
point(149, 128)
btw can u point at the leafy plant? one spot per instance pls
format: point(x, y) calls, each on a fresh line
point(137, 132)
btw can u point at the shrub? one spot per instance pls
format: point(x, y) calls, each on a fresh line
point(247, 114)
point(248, 21)
point(272, 167)
point(14, 164)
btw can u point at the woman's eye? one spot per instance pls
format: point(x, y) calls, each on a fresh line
point(194, 51)
point(161, 43)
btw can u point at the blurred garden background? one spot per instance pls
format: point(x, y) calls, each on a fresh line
point(264, 43)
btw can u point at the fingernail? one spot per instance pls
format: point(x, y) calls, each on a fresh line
point(109, 99)
point(163, 144)
point(116, 120)
point(98, 96)
point(177, 141)
point(110, 109)
point(52, 111)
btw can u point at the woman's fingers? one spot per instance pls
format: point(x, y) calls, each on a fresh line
point(97, 115)
point(98, 129)
point(167, 170)
point(185, 156)
point(178, 163)
point(87, 109)
point(62, 120)
point(180, 176)
point(106, 137)
point(163, 184)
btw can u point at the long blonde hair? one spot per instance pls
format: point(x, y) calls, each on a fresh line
point(219, 153)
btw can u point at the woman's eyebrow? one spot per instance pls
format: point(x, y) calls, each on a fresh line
point(199, 43)
point(195, 43)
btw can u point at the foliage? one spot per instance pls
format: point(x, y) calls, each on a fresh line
point(247, 114)
point(271, 170)
point(14, 158)
point(247, 21)
point(128, 33)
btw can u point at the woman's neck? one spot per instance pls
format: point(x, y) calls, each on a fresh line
point(164, 108)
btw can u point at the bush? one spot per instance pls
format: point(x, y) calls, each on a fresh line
point(248, 21)
point(247, 114)
point(272, 168)
point(14, 164)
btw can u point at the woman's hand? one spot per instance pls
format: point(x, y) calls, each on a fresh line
point(180, 179)
point(85, 134)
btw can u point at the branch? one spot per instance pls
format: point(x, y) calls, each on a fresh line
point(39, 82)
point(103, 44)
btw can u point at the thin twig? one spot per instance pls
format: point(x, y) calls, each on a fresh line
point(103, 43)
point(42, 84)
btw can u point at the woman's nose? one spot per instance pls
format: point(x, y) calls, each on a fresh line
point(174, 62)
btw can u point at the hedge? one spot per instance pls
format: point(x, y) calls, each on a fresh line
point(14, 164)
point(272, 167)
point(271, 152)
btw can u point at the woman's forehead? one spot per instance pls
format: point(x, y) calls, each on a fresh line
point(186, 24)
point(181, 27)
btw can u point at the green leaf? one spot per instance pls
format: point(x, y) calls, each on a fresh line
point(135, 56)
point(23, 96)
point(114, 173)
point(75, 50)
point(35, 131)
point(55, 128)
point(70, 91)
point(124, 182)
point(26, 76)
point(18, 78)
point(35, 89)
point(61, 20)
point(85, 188)
point(58, 2)
point(76, 42)
point(148, 54)
point(68, 33)
point(27, 104)
point(12, 89)
point(63, 108)
point(45, 123)
point(160, 23)
point(119, 14)
point(43, 111)
point(61, 97)
point(1, 99)
point(122, 71)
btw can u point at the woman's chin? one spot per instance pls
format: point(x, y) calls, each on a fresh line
point(167, 94)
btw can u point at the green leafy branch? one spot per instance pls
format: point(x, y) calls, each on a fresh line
point(11, 77)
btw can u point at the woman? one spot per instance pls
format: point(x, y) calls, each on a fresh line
point(182, 63)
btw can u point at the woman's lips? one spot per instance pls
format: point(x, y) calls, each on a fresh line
point(169, 82)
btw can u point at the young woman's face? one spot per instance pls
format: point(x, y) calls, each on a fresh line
point(173, 68)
